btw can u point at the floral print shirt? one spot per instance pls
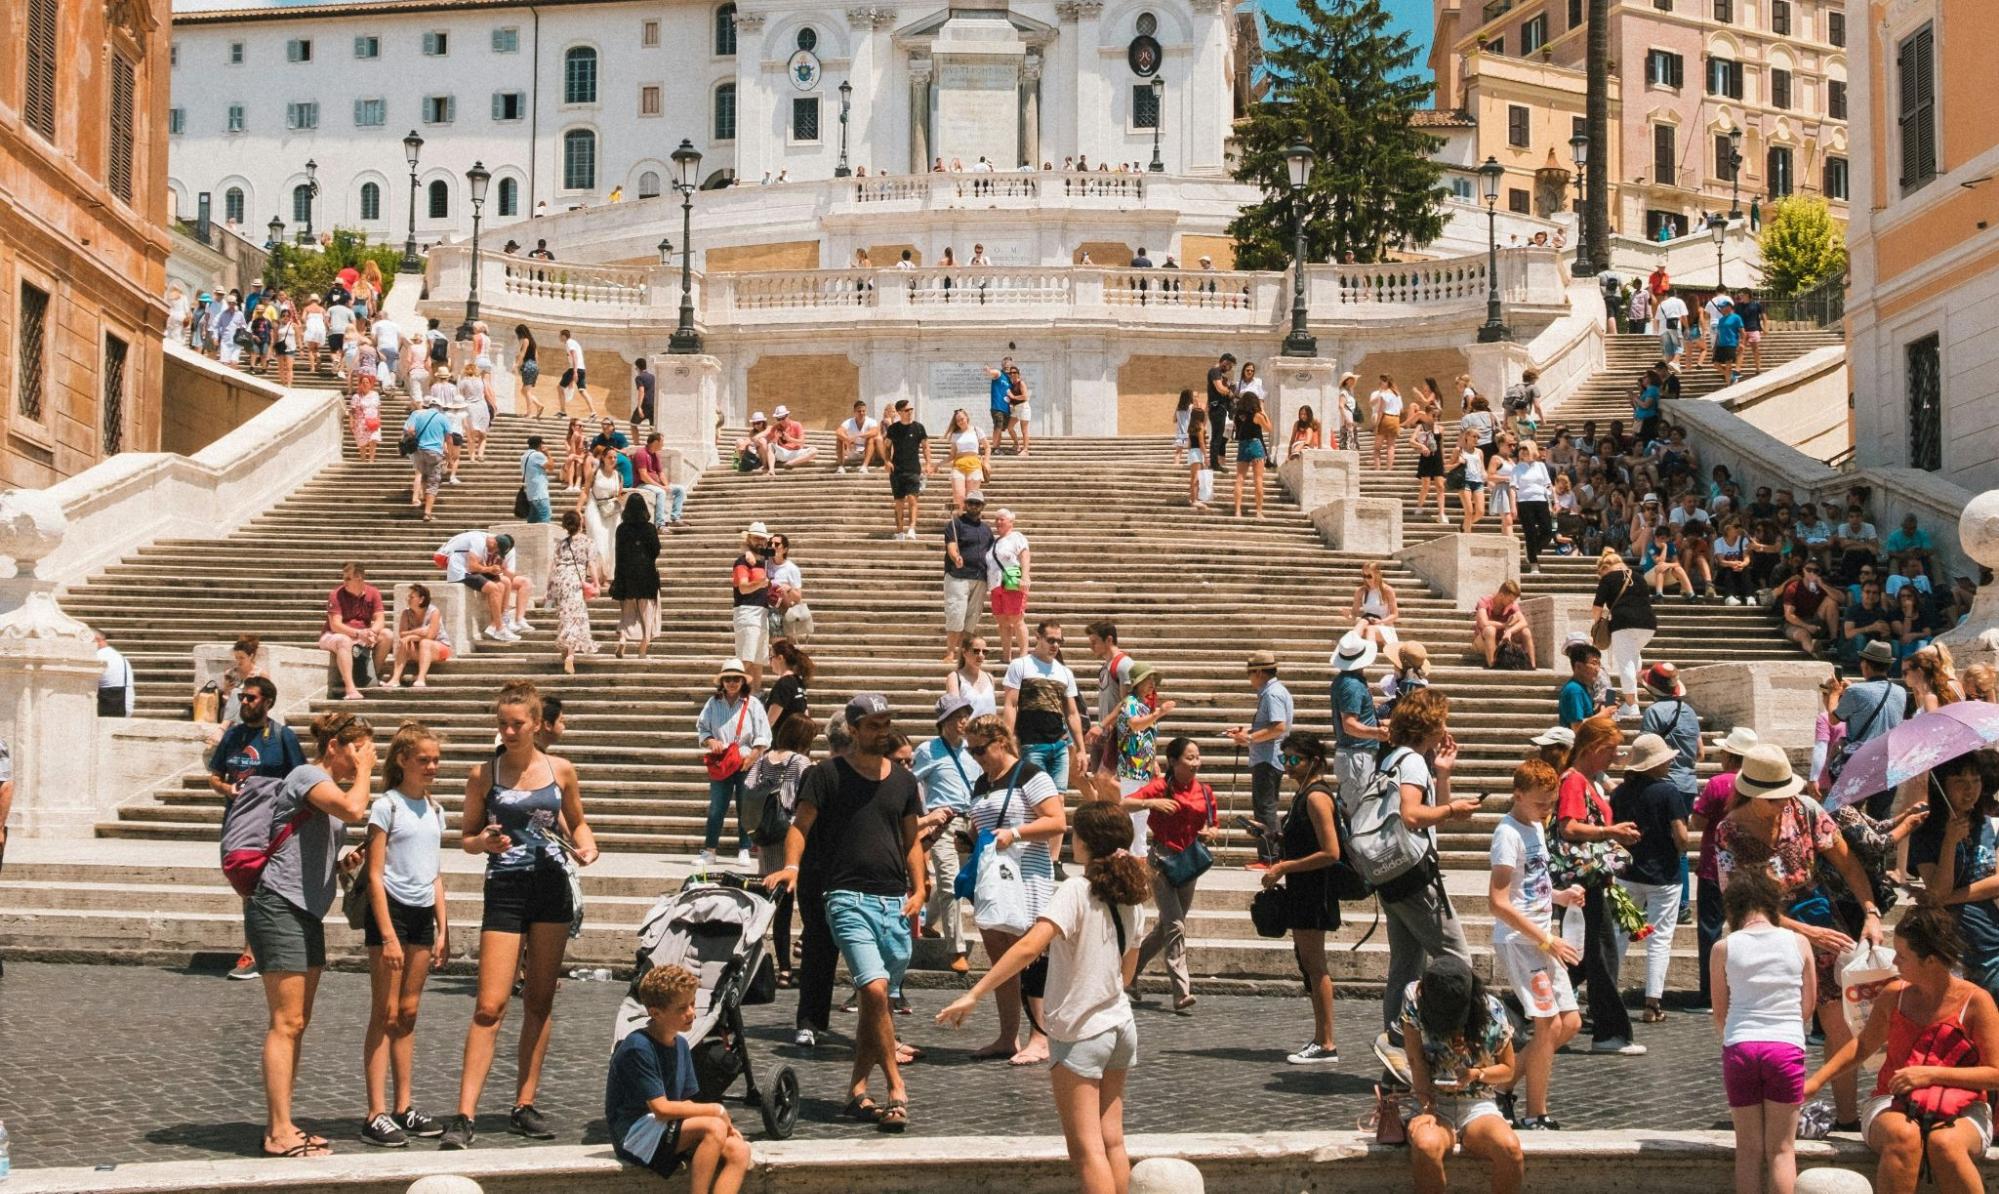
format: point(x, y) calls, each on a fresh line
point(1136, 748)
point(1804, 832)
point(1447, 1059)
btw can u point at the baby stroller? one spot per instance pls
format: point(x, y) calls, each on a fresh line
point(714, 927)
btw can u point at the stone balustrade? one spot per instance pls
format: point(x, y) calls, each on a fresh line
point(516, 286)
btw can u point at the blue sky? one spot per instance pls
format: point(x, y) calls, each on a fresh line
point(1411, 17)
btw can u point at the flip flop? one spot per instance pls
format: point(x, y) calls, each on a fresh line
point(894, 1117)
point(305, 1148)
point(907, 1054)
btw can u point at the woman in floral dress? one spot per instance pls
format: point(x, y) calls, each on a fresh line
point(1773, 827)
point(574, 564)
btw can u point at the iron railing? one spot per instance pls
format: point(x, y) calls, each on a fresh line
point(1821, 306)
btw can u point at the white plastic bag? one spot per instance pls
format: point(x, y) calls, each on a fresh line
point(999, 899)
point(1863, 971)
point(1205, 479)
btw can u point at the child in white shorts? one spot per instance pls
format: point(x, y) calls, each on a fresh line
point(1531, 957)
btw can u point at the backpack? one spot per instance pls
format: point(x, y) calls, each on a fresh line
point(440, 348)
point(248, 841)
point(763, 802)
point(1383, 848)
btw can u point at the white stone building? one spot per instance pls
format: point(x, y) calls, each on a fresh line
point(569, 101)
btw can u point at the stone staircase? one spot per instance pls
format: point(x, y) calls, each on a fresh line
point(1192, 593)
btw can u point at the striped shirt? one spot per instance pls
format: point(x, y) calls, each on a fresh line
point(995, 806)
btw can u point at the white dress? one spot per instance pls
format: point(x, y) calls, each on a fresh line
point(600, 513)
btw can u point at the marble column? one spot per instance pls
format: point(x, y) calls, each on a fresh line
point(919, 115)
point(754, 89)
point(1030, 110)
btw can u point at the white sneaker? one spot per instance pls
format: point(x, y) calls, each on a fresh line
point(1618, 1046)
point(705, 858)
point(500, 635)
point(1534, 571)
point(864, 470)
point(1312, 1054)
point(742, 858)
point(842, 470)
point(452, 479)
point(1627, 713)
point(1732, 601)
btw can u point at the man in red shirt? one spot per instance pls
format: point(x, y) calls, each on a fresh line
point(1658, 282)
point(355, 618)
point(1498, 621)
point(787, 438)
point(1809, 607)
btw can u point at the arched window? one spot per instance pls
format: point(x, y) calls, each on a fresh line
point(649, 184)
point(232, 205)
point(725, 112)
point(579, 75)
point(371, 201)
point(725, 31)
point(510, 197)
point(579, 160)
point(440, 200)
point(302, 204)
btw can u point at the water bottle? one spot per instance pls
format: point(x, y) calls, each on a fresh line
point(6, 1164)
point(601, 974)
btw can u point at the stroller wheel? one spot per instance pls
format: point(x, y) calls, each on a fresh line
point(780, 1103)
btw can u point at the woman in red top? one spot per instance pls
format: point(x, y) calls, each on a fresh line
point(1180, 809)
point(1942, 1037)
point(1582, 814)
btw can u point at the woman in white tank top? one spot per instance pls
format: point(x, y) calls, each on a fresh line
point(1764, 984)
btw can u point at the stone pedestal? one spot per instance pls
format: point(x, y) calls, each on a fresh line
point(1304, 381)
point(1318, 475)
point(454, 604)
point(534, 547)
point(1779, 700)
point(1464, 567)
point(1493, 367)
point(1554, 620)
point(1369, 525)
point(298, 672)
point(1977, 641)
point(48, 681)
point(689, 396)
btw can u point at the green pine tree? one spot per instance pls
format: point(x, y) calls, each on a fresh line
point(1801, 245)
point(1344, 85)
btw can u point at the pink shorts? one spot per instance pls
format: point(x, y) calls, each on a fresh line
point(1758, 1072)
point(1009, 603)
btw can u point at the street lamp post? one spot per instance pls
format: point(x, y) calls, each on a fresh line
point(846, 104)
point(1717, 227)
point(272, 246)
point(1298, 160)
point(476, 178)
point(311, 196)
point(412, 145)
point(687, 173)
point(1158, 165)
point(1495, 329)
point(1735, 174)
point(1583, 267)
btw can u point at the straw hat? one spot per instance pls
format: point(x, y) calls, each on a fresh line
point(1740, 741)
point(1766, 774)
point(1260, 661)
point(1648, 752)
point(731, 667)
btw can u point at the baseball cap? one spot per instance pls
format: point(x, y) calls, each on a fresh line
point(864, 705)
point(975, 498)
point(505, 543)
point(950, 705)
point(1554, 736)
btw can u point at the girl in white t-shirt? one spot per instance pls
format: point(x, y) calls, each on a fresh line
point(405, 931)
point(1090, 929)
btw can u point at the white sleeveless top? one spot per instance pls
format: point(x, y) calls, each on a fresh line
point(1766, 975)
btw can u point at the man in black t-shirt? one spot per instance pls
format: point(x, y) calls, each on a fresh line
point(1221, 397)
point(908, 461)
point(854, 838)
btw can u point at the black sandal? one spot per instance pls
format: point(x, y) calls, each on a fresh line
point(894, 1117)
point(862, 1109)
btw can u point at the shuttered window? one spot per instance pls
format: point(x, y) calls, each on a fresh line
point(118, 162)
point(1915, 68)
point(1780, 88)
point(115, 353)
point(32, 350)
point(1516, 126)
point(41, 73)
point(1664, 160)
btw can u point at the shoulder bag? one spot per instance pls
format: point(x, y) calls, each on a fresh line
point(965, 886)
point(999, 895)
point(725, 763)
point(1586, 864)
point(1180, 868)
point(1599, 629)
point(1849, 744)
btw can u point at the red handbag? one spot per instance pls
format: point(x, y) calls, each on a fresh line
point(725, 763)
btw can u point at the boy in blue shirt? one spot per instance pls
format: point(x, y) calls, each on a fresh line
point(648, 1096)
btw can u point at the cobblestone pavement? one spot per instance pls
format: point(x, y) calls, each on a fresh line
point(106, 1064)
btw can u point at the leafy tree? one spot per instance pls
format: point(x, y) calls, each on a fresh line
point(1343, 84)
point(1801, 245)
point(309, 269)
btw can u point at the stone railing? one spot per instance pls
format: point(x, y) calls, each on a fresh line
point(553, 289)
point(1009, 189)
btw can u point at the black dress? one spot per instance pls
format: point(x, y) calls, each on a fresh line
point(1311, 903)
point(635, 576)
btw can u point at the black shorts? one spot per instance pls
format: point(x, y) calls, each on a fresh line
point(458, 437)
point(415, 925)
point(476, 581)
point(1431, 465)
point(574, 377)
point(336, 341)
point(517, 899)
point(904, 485)
point(1725, 354)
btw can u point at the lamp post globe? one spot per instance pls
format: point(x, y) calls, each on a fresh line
point(412, 146)
point(687, 172)
point(1298, 161)
point(1495, 328)
point(665, 248)
point(476, 179)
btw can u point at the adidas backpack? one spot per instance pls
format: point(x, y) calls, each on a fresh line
point(1384, 848)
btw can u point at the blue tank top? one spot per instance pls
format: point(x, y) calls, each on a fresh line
point(525, 815)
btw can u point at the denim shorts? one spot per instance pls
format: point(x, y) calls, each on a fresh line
point(1052, 757)
point(873, 936)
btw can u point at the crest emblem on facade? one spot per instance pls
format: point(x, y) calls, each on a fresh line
point(804, 70)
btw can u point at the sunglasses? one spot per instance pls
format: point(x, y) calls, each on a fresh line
point(1053, 642)
point(975, 650)
point(1290, 760)
point(978, 748)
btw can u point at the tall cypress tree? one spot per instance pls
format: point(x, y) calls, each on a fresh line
point(1342, 83)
